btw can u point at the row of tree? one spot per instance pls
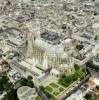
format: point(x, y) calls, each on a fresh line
point(67, 80)
point(6, 85)
point(90, 64)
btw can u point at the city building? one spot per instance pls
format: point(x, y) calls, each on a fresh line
point(78, 95)
point(96, 55)
point(26, 93)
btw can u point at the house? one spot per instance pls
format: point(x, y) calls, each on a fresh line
point(26, 93)
point(78, 95)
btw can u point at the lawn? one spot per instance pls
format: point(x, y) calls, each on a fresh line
point(47, 93)
point(61, 89)
point(54, 85)
point(49, 89)
point(54, 89)
point(37, 98)
point(56, 93)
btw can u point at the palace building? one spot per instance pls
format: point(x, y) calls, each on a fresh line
point(52, 50)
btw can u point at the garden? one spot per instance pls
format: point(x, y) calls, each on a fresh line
point(54, 89)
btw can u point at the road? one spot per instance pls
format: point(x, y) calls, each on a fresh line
point(76, 88)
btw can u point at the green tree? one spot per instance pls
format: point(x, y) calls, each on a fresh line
point(30, 78)
point(23, 82)
point(42, 88)
point(77, 67)
point(27, 82)
point(96, 37)
point(79, 47)
point(1, 85)
point(12, 95)
point(89, 97)
point(30, 84)
point(5, 79)
point(97, 87)
point(8, 87)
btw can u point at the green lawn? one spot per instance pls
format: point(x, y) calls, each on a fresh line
point(54, 85)
point(60, 84)
point(61, 89)
point(49, 95)
point(56, 88)
point(49, 89)
point(56, 93)
point(37, 98)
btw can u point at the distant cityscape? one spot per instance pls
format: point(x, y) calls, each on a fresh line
point(49, 49)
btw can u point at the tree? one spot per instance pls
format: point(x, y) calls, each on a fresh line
point(75, 77)
point(77, 67)
point(30, 78)
point(89, 97)
point(90, 64)
point(96, 37)
point(1, 30)
point(5, 85)
point(79, 47)
point(8, 87)
point(30, 84)
point(67, 80)
point(95, 13)
point(1, 85)
point(42, 88)
point(27, 82)
point(5, 79)
point(97, 87)
point(12, 95)
point(23, 82)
